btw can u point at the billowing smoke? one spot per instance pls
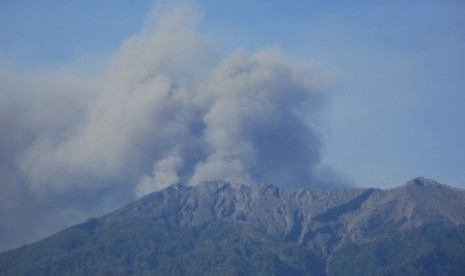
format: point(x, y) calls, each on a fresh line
point(168, 109)
point(242, 122)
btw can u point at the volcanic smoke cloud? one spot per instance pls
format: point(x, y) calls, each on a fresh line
point(168, 109)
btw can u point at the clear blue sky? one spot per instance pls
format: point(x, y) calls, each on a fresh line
point(396, 113)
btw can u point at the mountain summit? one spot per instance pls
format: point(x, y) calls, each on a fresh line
point(234, 229)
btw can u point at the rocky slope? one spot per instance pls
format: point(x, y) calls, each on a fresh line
point(220, 227)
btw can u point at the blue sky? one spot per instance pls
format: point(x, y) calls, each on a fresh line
point(396, 113)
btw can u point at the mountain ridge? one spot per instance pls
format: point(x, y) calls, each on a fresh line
point(265, 220)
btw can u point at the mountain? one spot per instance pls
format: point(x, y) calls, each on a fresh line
point(221, 228)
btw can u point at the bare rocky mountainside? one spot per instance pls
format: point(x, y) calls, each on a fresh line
point(220, 228)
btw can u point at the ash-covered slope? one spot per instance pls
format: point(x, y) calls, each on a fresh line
point(224, 228)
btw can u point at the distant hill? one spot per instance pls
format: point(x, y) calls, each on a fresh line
point(220, 228)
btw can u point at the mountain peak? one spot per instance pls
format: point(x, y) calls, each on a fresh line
point(423, 182)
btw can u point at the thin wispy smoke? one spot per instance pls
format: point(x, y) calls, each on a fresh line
point(168, 109)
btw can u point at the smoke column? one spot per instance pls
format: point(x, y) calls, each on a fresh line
point(169, 108)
